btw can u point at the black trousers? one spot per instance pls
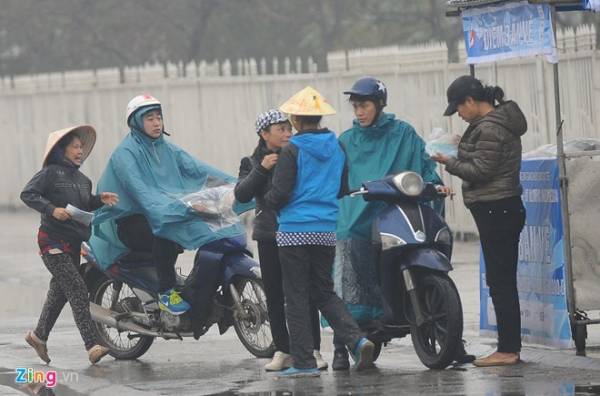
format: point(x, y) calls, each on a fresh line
point(306, 271)
point(207, 272)
point(135, 233)
point(499, 224)
point(270, 268)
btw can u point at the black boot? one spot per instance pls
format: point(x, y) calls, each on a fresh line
point(340, 359)
point(461, 355)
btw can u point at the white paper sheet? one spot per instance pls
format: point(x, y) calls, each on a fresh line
point(79, 215)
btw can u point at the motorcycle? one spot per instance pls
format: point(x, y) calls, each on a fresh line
point(124, 304)
point(419, 298)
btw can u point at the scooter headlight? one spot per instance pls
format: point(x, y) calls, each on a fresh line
point(443, 236)
point(409, 183)
point(389, 241)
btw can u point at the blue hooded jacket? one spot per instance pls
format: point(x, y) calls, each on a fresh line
point(313, 206)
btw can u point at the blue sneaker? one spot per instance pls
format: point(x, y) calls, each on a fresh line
point(294, 372)
point(172, 302)
point(363, 354)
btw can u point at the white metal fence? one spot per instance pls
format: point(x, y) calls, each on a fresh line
point(212, 116)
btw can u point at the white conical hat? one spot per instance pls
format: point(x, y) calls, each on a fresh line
point(86, 133)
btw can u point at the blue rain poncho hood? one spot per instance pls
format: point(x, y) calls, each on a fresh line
point(150, 176)
point(136, 120)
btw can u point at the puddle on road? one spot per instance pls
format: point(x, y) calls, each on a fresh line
point(24, 300)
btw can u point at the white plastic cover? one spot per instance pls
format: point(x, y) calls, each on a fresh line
point(584, 213)
point(570, 146)
point(214, 205)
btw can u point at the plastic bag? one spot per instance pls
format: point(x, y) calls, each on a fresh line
point(214, 205)
point(442, 142)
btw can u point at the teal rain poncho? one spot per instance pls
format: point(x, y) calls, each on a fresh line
point(150, 175)
point(388, 147)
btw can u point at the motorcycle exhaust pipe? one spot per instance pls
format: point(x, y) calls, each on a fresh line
point(107, 317)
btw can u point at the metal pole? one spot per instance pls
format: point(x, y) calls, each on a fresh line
point(472, 70)
point(564, 186)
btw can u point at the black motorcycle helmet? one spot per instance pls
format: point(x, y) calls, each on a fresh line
point(369, 89)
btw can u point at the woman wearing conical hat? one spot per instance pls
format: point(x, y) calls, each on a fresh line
point(307, 183)
point(57, 185)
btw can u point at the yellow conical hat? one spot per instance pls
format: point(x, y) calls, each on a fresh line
point(307, 102)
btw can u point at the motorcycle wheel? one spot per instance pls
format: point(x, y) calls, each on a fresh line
point(252, 325)
point(437, 340)
point(121, 346)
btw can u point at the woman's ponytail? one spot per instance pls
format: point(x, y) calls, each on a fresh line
point(493, 94)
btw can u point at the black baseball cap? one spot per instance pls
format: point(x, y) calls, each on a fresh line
point(459, 90)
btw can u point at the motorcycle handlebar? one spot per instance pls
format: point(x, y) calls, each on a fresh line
point(360, 191)
point(430, 190)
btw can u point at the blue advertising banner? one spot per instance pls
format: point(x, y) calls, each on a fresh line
point(540, 274)
point(585, 5)
point(508, 31)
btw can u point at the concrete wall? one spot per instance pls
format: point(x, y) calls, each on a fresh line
point(213, 116)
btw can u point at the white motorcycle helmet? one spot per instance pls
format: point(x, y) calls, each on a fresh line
point(139, 102)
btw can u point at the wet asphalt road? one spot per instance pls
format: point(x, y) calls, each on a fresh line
point(219, 365)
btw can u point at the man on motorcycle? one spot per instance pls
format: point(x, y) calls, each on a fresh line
point(151, 174)
point(377, 145)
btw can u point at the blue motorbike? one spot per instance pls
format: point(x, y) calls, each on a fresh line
point(419, 297)
point(124, 305)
